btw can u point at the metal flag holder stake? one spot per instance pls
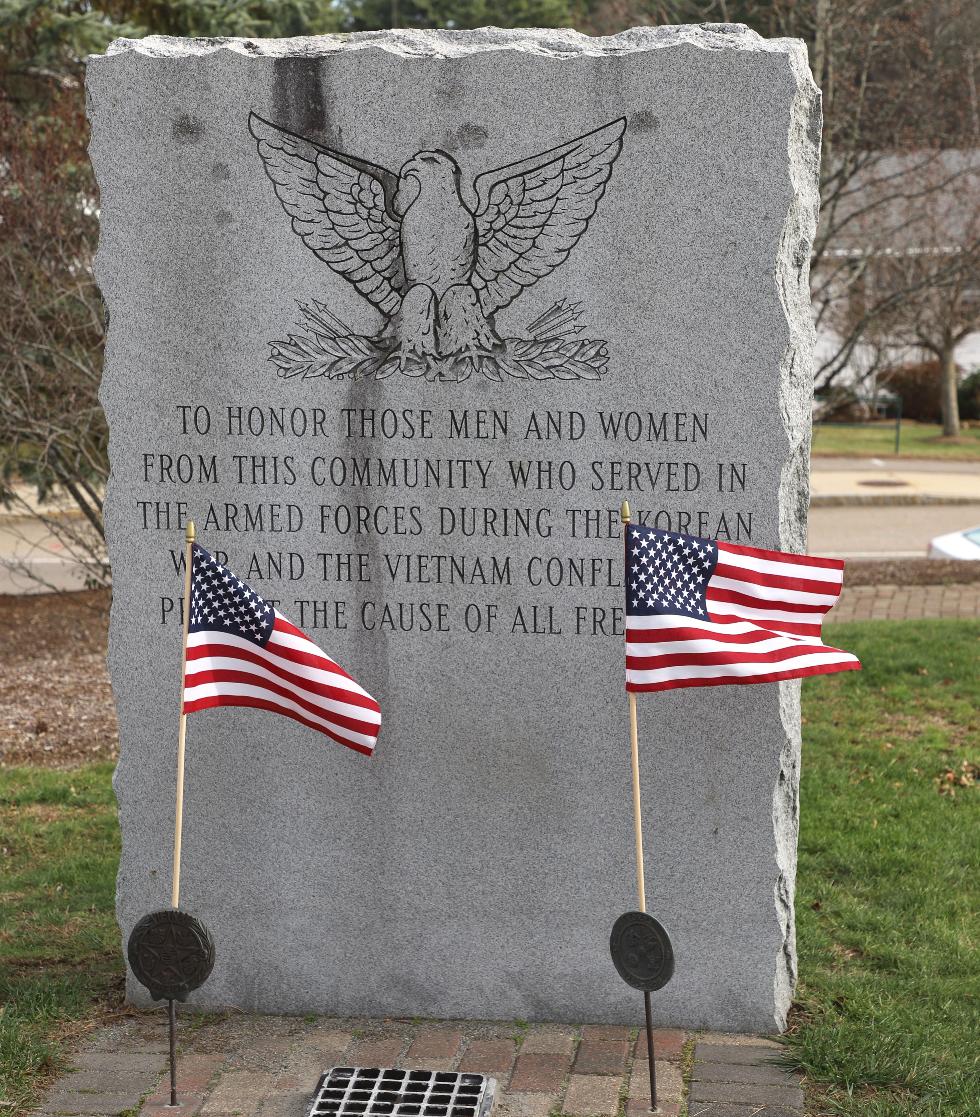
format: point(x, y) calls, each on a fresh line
point(639, 944)
point(172, 954)
point(170, 951)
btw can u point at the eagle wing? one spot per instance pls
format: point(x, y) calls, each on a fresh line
point(341, 207)
point(531, 214)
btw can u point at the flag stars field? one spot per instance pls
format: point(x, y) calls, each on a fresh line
point(676, 578)
point(219, 596)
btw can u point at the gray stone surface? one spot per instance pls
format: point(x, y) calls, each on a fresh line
point(748, 1054)
point(475, 865)
point(747, 1093)
point(70, 1102)
point(740, 1072)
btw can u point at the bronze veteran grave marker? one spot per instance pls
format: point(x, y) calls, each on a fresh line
point(399, 320)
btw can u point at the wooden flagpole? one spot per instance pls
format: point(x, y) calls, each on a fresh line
point(641, 893)
point(637, 815)
point(634, 746)
point(182, 731)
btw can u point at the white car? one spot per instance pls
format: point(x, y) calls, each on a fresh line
point(956, 545)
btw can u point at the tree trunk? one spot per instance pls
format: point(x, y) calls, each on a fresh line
point(950, 400)
point(821, 45)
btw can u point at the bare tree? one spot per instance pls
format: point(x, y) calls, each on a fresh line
point(903, 240)
point(52, 430)
point(893, 76)
point(944, 267)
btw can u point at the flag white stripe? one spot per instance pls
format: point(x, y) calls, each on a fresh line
point(781, 569)
point(212, 690)
point(228, 663)
point(725, 608)
point(297, 643)
point(300, 670)
point(707, 645)
point(675, 620)
point(289, 642)
point(739, 670)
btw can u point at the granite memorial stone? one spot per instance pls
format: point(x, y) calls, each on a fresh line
point(399, 319)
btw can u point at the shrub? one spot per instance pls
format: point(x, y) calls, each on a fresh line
point(919, 385)
point(969, 394)
point(841, 404)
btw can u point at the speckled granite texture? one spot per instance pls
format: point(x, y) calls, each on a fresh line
point(505, 239)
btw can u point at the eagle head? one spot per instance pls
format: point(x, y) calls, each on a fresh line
point(429, 171)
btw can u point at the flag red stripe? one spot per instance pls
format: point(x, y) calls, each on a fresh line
point(287, 626)
point(776, 581)
point(737, 680)
point(309, 659)
point(261, 704)
point(289, 629)
point(224, 675)
point(229, 651)
point(781, 556)
point(671, 635)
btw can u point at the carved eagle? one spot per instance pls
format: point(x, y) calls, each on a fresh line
point(437, 269)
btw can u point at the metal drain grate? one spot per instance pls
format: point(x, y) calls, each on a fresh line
point(387, 1092)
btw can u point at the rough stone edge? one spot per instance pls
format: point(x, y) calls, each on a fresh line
point(552, 43)
point(795, 393)
point(97, 145)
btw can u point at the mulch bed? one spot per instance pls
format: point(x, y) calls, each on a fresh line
point(56, 706)
point(911, 572)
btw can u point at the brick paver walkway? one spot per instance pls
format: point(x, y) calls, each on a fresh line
point(907, 603)
point(268, 1067)
point(741, 1081)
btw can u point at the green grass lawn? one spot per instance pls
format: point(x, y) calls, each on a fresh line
point(877, 440)
point(887, 1014)
point(59, 943)
point(889, 875)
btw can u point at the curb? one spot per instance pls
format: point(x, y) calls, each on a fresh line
point(886, 500)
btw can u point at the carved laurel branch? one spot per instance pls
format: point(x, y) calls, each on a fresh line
point(325, 346)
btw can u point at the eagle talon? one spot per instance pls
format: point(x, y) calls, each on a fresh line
point(413, 364)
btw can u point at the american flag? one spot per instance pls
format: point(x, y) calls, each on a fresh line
point(700, 613)
point(243, 652)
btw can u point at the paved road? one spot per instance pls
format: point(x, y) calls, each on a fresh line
point(889, 531)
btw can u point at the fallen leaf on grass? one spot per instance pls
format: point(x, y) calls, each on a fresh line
point(952, 778)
